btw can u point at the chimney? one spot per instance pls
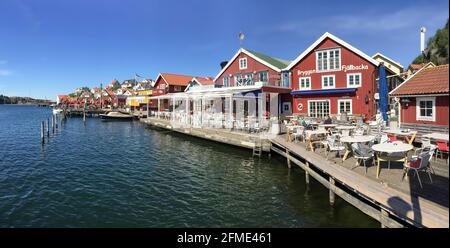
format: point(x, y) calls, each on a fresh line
point(223, 64)
point(422, 39)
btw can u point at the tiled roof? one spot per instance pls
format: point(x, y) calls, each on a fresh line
point(431, 80)
point(175, 79)
point(205, 80)
point(278, 63)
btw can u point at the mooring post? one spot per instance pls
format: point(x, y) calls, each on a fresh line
point(84, 116)
point(288, 158)
point(384, 215)
point(56, 121)
point(48, 127)
point(332, 197)
point(53, 123)
point(307, 173)
point(42, 132)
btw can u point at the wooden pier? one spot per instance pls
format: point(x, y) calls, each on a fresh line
point(378, 199)
point(389, 206)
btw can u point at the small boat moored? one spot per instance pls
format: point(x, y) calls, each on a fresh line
point(114, 115)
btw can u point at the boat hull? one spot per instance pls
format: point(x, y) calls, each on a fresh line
point(115, 118)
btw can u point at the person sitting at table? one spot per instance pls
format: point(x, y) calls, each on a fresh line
point(328, 120)
point(301, 122)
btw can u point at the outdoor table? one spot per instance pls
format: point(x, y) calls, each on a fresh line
point(349, 140)
point(309, 133)
point(345, 127)
point(409, 135)
point(390, 148)
point(437, 136)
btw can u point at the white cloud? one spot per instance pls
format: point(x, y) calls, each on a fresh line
point(4, 72)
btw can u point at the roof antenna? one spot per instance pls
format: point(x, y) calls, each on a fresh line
point(241, 38)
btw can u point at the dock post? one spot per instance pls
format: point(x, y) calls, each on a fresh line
point(84, 116)
point(42, 132)
point(53, 123)
point(288, 158)
point(307, 173)
point(384, 215)
point(56, 121)
point(332, 196)
point(48, 127)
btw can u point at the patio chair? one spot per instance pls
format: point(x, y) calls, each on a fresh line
point(299, 133)
point(392, 137)
point(345, 132)
point(426, 142)
point(384, 138)
point(431, 149)
point(442, 147)
point(334, 146)
point(362, 153)
point(417, 164)
point(359, 131)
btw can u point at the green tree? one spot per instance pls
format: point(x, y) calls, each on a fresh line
point(437, 48)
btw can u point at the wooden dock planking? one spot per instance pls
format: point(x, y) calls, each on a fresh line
point(388, 199)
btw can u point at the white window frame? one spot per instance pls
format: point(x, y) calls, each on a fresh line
point(328, 52)
point(334, 82)
point(240, 63)
point(267, 76)
point(300, 83)
point(345, 100)
point(176, 88)
point(236, 79)
point(324, 100)
point(354, 74)
point(425, 118)
point(227, 83)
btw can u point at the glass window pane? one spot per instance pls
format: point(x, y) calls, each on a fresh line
point(422, 104)
point(429, 112)
point(429, 104)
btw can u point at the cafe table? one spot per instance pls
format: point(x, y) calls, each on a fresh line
point(349, 140)
point(409, 135)
point(290, 131)
point(389, 149)
point(437, 136)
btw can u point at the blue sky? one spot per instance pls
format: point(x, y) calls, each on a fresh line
point(48, 47)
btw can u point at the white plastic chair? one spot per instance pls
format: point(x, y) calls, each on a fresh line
point(363, 154)
point(333, 146)
point(423, 159)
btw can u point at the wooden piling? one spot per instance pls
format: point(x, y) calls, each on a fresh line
point(42, 132)
point(307, 173)
point(48, 127)
point(53, 123)
point(84, 116)
point(288, 158)
point(332, 196)
point(56, 121)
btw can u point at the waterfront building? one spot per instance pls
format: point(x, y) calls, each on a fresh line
point(331, 77)
point(140, 101)
point(167, 83)
point(423, 98)
point(246, 94)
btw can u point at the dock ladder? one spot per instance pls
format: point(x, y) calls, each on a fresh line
point(257, 148)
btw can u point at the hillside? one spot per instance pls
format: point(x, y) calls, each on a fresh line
point(437, 48)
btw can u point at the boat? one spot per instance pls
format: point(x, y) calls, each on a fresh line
point(114, 115)
point(57, 111)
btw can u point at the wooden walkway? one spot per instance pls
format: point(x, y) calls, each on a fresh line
point(389, 206)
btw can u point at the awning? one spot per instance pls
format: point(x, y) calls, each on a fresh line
point(323, 92)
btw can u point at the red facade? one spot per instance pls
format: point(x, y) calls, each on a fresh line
point(253, 67)
point(362, 98)
point(409, 113)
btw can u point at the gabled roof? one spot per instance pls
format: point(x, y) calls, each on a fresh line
point(387, 58)
point(271, 62)
point(428, 80)
point(204, 80)
point(416, 67)
point(337, 40)
point(175, 79)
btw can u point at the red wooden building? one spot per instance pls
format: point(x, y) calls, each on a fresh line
point(424, 97)
point(248, 68)
point(331, 77)
point(168, 83)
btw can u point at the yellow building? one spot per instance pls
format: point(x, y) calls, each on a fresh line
point(139, 100)
point(395, 67)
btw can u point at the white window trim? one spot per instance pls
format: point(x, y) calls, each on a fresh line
point(345, 100)
point(334, 82)
point(241, 68)
point(424, 118)
point(325, 100)
point(300, 83)
point(228, 82)
point(353, 74)
point(328, 56)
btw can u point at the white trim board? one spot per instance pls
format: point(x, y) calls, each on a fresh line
point(417, 72)
point(337, 40)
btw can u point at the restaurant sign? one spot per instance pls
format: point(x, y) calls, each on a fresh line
point(344, 68)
